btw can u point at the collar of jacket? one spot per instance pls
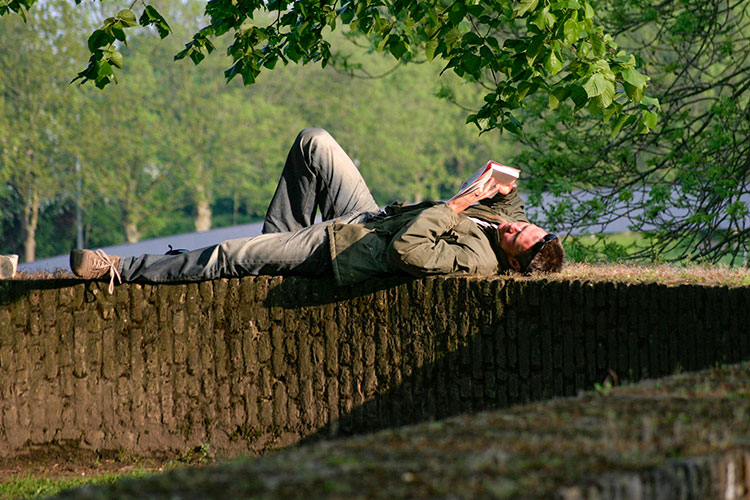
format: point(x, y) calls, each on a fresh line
point(485, 213)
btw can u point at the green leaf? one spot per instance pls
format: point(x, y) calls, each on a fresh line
point(396, 46)
point(579, 96)
point(544, 18)
point(572, 30)
point(270, 62)
point(101, 82)
point(607, 97)
point(553, 64)
point(116, 58)
point(597, 44)
point(515, 44)
point(471, 62)
point(535, 47)
point(588, 11)
point(519, 66)
point(346, 12)
point(594, 107)
point(595, 85)
point(634, 78)
point(649, 118)
point(127, 17)
point(511, 124)
point(626, 61)
point(602, 66)
point(151, 16)
point(451, 38)
point(524, 6)
point(611, 111)
point(476, 10)
point(617, 124)
point(104, 69)
point(196, 56)
point(488, 58)
point(553, 101)
point(457, 13)
point(99, 39)
point(119, 34)
point(558, 95)
point(651, 101)
point(523, 89)
point(471, 38)
point(634, 93)
point(429, 49)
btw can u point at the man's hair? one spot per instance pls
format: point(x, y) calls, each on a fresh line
point(549, 259)
point(546, 256)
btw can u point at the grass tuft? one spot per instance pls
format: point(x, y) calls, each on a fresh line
point(663, 274)
point(31, 486)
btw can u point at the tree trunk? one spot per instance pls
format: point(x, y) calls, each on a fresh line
point(29, 224)
point(202, 210)
point(131, 230)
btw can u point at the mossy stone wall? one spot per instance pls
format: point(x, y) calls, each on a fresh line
point(262, 362)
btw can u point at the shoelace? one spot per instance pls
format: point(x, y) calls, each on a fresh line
point(106, 261)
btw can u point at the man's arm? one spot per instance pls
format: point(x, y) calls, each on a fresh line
point(490, 189)
point(509, 206)
point(423, 246)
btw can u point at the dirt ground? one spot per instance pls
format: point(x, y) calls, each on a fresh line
point(67, 461)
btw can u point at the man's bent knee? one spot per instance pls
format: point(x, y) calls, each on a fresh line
point(314, 133)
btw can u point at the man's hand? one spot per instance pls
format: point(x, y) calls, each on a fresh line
point(490, 189)
point(505, 189)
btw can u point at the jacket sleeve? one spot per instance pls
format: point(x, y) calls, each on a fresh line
point(511, 206)
point(426, 245)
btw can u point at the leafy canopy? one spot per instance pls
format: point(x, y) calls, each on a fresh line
point(513, 48)
point(686, 186)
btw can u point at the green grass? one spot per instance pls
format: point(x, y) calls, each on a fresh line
point(608, 257)
point(31, 486)
point(616, 247)
point(663, 274)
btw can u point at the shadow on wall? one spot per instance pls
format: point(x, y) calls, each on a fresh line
point(293, 292)
point(16, 290)
point(420, 350)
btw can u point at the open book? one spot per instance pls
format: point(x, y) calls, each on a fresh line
point(502, 173)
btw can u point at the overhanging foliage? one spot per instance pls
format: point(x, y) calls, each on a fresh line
point(558, 51)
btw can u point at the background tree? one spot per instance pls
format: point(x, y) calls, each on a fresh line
point(685, 185)
point(138, 143)
point(124, 168)
point(34, 95)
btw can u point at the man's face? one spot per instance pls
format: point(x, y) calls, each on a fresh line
point(517, 237)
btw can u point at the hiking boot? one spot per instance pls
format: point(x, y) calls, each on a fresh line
point(8, 264)
point(90, 265)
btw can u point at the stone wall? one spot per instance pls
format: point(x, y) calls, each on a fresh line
point(262, 362)
point(723, 476)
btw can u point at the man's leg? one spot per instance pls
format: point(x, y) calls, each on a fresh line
point(303, 252)
point(317, 173)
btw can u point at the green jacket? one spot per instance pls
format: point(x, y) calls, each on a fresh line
point(422, 239)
